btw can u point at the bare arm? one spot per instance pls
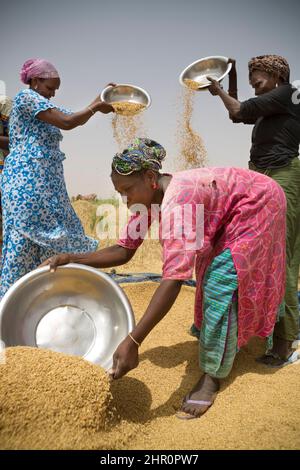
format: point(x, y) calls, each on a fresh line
point(67, 122)
point(4, 142)
point(126, 356)
point(229, 99)
point(232, 89)
point(232, 104)
point(115, 255)
point(161, 302)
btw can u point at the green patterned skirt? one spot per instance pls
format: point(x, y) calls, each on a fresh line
point(219, 329)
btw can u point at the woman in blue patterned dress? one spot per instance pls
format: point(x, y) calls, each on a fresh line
point(38, 219)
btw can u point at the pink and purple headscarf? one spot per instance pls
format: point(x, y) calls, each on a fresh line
point(37, 68)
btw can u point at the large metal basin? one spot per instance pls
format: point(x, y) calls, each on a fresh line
point(216, 67)
point(76, 310)
point(126, 93)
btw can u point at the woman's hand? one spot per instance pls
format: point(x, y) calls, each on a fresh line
point(57, 260)
point(101, 106)
point(105, 108)
point(215, 86)
point(232, 89)
point(231, 61)
point(125, 358)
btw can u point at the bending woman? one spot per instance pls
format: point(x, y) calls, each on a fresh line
point(239, 260)
point(275, 148)
point(38, 219)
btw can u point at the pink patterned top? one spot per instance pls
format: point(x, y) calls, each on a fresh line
point(244, 211)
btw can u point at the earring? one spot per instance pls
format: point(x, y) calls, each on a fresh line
point(35, 87)
point(154, 186)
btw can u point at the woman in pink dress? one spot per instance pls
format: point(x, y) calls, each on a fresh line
point(226, 223)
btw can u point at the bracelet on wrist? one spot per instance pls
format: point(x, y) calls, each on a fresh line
point(134, 340)
point(90, 109)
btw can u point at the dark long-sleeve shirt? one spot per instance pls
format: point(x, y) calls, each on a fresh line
point(276, 134)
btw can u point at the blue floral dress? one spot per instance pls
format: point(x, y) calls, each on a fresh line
point(38, 219)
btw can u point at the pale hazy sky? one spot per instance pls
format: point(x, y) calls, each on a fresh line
point(147, 43)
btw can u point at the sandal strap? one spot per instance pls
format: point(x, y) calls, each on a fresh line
point(199, 402)
point(274, 355)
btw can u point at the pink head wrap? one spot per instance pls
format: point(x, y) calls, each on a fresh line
point(37, 68)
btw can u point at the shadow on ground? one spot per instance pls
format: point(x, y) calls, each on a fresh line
point(132, 398)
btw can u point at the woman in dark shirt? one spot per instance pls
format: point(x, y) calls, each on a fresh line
point(275, 113)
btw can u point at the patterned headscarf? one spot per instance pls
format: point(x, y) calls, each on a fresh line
point(37, 68)
point(270, 64)
point(143, 154)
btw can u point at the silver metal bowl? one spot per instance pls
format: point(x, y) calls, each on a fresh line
point(76, 310)
point(216, 67)
point(125, 92)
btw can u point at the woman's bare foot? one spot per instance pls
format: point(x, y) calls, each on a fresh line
point(282, 347)
point(202, 396)
point(279, 354)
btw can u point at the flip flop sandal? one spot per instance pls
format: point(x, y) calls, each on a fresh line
point(187, 401)
point(273, 360)
point(292, 359)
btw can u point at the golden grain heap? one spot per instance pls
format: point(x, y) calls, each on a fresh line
point(49, 400)
point(250, 405)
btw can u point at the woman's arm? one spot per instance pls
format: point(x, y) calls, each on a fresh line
point(232, 89)
point(4, 142)
point(230, 100)
point(126, 355)
point(232, 105)
point(70, 121)
point(115, 255)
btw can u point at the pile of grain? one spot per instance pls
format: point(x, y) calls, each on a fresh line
point(127, 108)
point(50, 400)
point(252, 403)
point(256, 408)
point(191, 146)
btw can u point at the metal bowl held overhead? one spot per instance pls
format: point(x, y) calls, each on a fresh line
point(76, 310)
point(195, 75)
point(133, 98)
